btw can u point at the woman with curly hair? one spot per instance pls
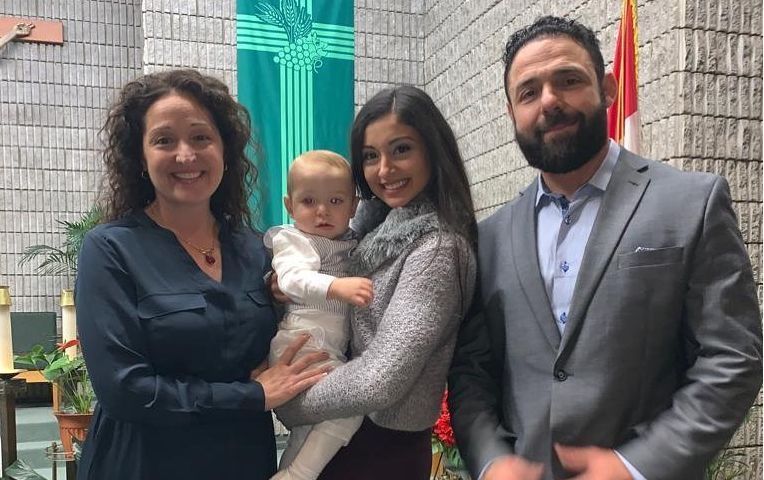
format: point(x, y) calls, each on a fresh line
point(173, 314)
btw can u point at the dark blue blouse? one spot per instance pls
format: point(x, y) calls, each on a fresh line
point(169, 351)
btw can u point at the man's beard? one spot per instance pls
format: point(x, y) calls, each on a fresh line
point(566, 154)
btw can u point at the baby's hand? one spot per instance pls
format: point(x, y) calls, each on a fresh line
point(354, 290)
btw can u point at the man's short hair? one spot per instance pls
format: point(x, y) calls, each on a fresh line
point(550, 26)
point(326, 157)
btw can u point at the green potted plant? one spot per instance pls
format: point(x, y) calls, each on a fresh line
point(66, 372)
point(72, 387)
point(73, 397)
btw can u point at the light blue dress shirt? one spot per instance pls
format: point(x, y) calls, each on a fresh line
point(563, 227)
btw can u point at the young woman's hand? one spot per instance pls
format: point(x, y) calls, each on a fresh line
point(288, 377)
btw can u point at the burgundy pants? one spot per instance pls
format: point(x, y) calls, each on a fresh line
point(376, 453)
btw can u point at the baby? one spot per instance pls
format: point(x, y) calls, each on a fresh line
point(310, 260)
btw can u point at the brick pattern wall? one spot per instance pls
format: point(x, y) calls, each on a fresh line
point(389, 45)
point(53, 101)
point(198, 34)
point(712, 62)
point(463, 74)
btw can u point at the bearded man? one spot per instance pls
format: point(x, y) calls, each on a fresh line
point(617, 332)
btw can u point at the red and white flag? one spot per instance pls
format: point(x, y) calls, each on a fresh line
point(623, 116)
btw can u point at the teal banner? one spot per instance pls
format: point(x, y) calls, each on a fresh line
point(295, 74)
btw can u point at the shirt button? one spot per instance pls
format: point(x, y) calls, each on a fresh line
point(561, 375)
point(564, 318)
point(567, 220)
point(564, 266)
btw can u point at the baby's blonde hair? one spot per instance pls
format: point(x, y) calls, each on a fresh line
point(326, 157)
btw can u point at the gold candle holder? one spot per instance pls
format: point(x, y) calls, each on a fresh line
point(67, 297)
point(5, 296)
point(6, 338)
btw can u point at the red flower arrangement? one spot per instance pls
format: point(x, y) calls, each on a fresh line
point(443, 440)
point(442, 429)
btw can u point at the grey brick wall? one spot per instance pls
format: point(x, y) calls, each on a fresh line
point(463, 73)
point(712, 61)
point(389, 45)
point(52, 103)
point(198, 34)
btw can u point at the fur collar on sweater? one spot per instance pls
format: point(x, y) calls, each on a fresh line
point(400, 228)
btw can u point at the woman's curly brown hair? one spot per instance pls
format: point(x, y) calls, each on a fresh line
point(128, 190)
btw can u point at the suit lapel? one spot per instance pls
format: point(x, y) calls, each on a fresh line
point(525, 259)
point(622, 196)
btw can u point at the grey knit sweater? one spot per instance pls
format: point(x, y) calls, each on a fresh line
point(402, 344)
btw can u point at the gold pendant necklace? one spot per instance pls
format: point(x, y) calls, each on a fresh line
point(208, 253)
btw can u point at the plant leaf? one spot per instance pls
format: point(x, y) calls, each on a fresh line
point(453, 457)
point(269, 14)
point(51, 357)
point(75, 233)
point(33, 359)
point(63, 260)
point(726, 466)
point(55, 260)
point(19, 470)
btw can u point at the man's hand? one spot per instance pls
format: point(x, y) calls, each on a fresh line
point(354, 290)
point(513, 467)
point(592, 463)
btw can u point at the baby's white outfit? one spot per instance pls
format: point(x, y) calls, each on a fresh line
point(306, 265)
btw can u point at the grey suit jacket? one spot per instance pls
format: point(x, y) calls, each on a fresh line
point(661, 356)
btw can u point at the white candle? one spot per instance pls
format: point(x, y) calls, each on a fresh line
point(68, 320)
point(6, 341)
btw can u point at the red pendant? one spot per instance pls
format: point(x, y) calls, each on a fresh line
point(209, 259)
